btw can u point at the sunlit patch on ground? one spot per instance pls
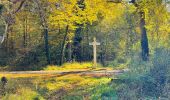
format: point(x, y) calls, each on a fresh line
point(52, 86)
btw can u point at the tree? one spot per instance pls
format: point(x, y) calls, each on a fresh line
point(78, 32)
point(8, 17)
point(45, 29)
point(70, 14)
point(144, 37)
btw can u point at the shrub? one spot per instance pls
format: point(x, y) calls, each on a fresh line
point(147, 79)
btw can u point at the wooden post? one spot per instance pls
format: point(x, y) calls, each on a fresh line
point(94, 44)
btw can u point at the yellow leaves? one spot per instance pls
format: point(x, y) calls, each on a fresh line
point(90, 14)
point(111, 15)
point(70, 66)
point(55, 86)
point(64, 15)
point(157, 24)
point(132, 9)
point(70, 13)
point(78, 65)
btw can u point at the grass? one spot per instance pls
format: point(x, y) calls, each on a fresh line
point(65, 67)
point(23, 94)
point(74, 85)
point(75, 66)
point(49, 86)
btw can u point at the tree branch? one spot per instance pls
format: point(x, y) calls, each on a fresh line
point(20, 6)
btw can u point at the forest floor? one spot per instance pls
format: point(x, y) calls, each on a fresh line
point(53, 85)
point(76, 81)
point(93, 72)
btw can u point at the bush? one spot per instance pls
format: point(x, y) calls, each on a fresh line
point(160, 70)
point(148, 79)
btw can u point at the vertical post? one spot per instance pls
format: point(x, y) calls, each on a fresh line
point(94, 44)
point(94, 52)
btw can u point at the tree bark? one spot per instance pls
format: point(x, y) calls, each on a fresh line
point(77, 44)
point(47, 46)
point(63, 46)
point(144, 38)
point(24, 33)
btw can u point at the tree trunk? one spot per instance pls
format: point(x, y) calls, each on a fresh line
point(24, 33)
point(77, 44)
point(45, 30)
point(63, 46)
point(77, 55)
point(144, 38)
point(69, 52)
point(26, 30)
point(47, 46)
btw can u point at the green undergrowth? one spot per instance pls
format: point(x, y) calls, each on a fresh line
point(67, 87)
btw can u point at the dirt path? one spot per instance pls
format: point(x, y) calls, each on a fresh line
point(101, 72)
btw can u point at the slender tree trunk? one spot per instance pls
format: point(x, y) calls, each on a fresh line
point(26, 30)
point(77, 55)
point(63, 46)
point(77, 44)
point(12, 41)
point(88, 57)
point(69, 52)
point(47, 46)
point(144, 38)
point(24, 34)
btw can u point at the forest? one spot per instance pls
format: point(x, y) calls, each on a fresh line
point(84, 49)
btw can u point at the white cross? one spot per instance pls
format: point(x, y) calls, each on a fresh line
point(94, 44)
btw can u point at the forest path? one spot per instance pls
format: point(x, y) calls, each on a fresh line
point(97, 73)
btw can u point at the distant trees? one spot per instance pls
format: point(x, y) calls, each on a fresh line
point(81, 6)
point(74, 16)
point(62, 30)
point(43, 20)
point(8, 17)
point(144, 38)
